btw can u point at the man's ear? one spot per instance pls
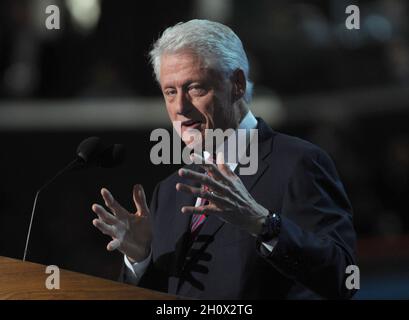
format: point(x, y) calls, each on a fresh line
point(239, 84)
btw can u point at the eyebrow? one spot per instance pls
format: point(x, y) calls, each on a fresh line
point(187, 83)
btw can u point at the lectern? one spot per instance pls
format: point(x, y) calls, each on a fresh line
point(26, 280)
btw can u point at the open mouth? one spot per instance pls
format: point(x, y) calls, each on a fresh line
point(191, 124)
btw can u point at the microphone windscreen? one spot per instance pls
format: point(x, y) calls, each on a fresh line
point(90, 149)
point(112, 156)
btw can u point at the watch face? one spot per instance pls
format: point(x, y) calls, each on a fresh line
point(271, 227)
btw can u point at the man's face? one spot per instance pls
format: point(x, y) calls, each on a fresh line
point(197, 96)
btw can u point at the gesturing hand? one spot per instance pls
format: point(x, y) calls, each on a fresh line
point(130, 232)
point(228, 197)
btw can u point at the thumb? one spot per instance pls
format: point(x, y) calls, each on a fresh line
point(139, 199)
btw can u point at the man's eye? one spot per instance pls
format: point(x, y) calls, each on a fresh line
point(197, 90)
point(170, 92)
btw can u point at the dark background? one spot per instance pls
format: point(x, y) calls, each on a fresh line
point(345, 90)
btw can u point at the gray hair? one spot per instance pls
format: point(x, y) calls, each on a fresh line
point(212, 41)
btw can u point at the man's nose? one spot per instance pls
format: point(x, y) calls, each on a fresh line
point(183, 104)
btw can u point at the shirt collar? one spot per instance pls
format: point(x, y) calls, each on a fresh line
point(249, 121)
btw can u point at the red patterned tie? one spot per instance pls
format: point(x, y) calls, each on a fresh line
point(198, 219)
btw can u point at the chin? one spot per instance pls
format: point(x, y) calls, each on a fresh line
point(193, 145)
point(193, 139)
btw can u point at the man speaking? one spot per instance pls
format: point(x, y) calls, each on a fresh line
point(284, 232)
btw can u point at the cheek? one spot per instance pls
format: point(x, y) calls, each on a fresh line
point(208, 110)
point(217, 112)
point(171, 111)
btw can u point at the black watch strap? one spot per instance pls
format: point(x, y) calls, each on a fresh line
point(271, 227)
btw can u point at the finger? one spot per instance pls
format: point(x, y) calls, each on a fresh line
point(198, 159)
point(226, 171)
point(205, 164)
point(211, 168)
point(223, 166)
point(205, 210)
point(211, 196)
point(112, 204)
point(188, 189)
point(204, 179)
point(139, 199)
point(104, 215)
point(213, 171)
point(113, 245)
point(104, 228)
point(199, 210)
point(220, 158)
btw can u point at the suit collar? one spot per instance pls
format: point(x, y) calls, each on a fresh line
point(265, 136)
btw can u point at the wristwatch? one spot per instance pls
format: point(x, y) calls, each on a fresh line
point(271, 227)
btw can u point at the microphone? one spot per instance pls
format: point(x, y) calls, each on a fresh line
point(91, 152)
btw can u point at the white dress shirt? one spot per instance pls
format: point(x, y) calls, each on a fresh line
point(135, 271)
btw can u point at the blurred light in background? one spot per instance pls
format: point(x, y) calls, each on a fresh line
point(378, 27)
point(21, 78)
point(85, 13)
point(218, 10)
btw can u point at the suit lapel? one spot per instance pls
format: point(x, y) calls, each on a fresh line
point(206, 235)
point(265, 135)
point(180, 233)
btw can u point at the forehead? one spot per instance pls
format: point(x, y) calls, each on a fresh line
point(179, 68)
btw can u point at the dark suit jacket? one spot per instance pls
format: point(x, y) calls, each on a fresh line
point(317, 241)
